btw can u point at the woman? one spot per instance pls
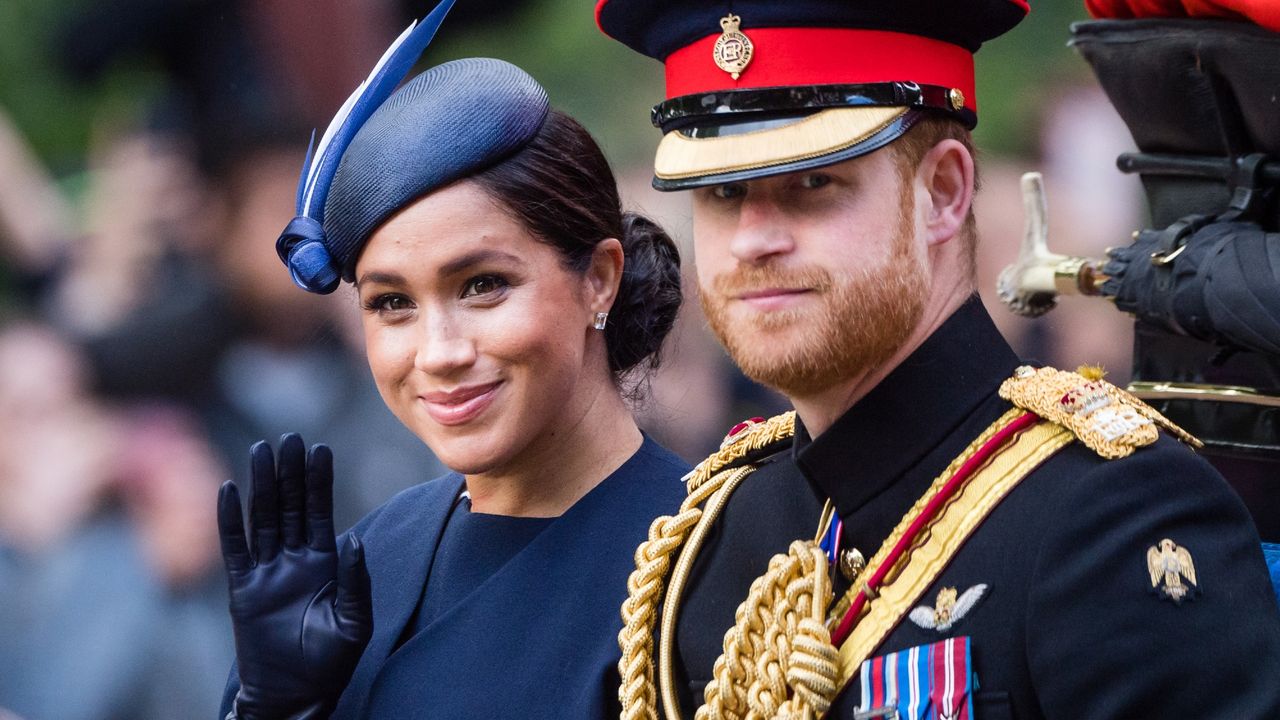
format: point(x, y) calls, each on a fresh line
point(505, 297)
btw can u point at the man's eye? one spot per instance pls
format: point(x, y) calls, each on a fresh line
point(729, 191)
point(483, 285)
point(813, 181)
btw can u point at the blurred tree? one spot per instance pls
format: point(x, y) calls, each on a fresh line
point(603, 84)
point(52, 110)
point(1017, 70)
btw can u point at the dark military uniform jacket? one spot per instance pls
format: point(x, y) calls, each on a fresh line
point(1069, 624)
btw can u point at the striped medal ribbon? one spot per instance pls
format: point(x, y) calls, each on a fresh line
point(927, 682)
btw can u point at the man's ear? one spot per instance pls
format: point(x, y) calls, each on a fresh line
point(604, 275)
point(946, 177)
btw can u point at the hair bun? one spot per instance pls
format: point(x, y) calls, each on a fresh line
point(649, 296)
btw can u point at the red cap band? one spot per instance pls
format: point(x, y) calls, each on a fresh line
point(824, 56)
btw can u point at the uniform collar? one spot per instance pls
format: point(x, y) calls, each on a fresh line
point(910, 412)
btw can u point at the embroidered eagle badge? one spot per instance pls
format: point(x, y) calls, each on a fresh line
point(948, 609)
point(1168, 563)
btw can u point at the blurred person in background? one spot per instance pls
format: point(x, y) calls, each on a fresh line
point(173, 304)
point(149, 251)
point(110, 599)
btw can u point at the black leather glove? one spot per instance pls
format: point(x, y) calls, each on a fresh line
point(300, 608)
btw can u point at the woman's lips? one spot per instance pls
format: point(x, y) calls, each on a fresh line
point(461, 405)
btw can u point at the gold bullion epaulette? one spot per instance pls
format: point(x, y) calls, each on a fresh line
point(1108, 420)
point(748, 442)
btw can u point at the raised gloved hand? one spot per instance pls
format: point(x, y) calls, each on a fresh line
point(300, 608)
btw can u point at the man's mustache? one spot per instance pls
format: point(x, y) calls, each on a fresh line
point(749, 279)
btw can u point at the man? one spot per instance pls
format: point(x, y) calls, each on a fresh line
point(1026, 528)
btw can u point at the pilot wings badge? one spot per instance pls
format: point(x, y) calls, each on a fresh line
point(949, 608)
point(1169, 564)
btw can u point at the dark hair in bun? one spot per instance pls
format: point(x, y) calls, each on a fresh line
point(560, 187)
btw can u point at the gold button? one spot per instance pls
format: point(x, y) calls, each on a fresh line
point(851, 563)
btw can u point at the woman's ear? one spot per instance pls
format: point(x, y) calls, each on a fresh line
point(946, 177)
point(604, 275)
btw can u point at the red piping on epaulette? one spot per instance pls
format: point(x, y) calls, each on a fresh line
point(927, 515)
point(824, 56)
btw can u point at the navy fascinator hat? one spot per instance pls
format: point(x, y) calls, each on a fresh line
point(383, 151)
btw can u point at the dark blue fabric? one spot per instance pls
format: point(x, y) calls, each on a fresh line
point(659, 27)
point(538, 638)
point(473, 548)
point(447, 123)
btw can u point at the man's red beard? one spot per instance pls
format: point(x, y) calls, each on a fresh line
point(863, 318)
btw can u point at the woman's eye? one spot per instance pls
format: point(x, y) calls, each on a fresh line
point(729, 191)
point(483, 285)
point(813, 181)
point(388, 303)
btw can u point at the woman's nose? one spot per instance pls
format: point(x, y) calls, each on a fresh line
point(442, 351)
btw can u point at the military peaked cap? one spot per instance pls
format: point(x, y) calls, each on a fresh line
point(759, 87)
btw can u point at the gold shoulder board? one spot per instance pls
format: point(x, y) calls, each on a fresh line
point(746, 443)
point(1108, 420)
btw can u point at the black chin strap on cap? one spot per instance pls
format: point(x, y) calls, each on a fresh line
point(302, 249)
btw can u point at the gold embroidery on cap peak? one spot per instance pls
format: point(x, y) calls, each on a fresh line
point(1108, 420)
point(733, 50)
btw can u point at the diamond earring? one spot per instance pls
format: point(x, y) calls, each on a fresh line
point(602, 318)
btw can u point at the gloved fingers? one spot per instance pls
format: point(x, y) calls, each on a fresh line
point(290, 471)
point(353, 604)
point(264, 503)
point(235, 549)
point(320, 498)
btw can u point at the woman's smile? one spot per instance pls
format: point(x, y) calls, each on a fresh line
point(460, 405)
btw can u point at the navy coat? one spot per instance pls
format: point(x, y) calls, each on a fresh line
point(538, 639)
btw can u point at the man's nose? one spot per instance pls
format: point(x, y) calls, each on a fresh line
point(762, 232)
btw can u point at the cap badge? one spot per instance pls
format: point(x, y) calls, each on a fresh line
point(1169, 565)
point(956, 98)
point(733, 49)
point(949, 608)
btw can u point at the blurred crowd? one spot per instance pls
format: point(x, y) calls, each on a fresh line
point(149, 334)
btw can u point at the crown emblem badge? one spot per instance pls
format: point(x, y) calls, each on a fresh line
point(733, 50)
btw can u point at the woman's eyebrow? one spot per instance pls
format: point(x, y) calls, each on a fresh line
point(475, 257)
point(380, 277)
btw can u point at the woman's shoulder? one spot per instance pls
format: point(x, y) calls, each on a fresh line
point(658, 459)
point(651, 479)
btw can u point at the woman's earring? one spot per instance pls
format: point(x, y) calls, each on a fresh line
point(602, 319)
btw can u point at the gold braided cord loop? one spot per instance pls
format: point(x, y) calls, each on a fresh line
point(640, 610)
point(1108, 420)
point(637, 692)
point(679, 577)
point(776, 428)
point(778, 660)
